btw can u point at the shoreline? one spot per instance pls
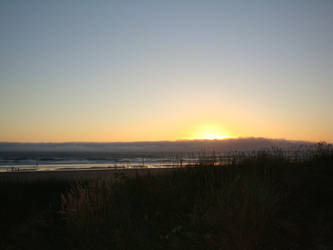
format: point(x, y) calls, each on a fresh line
point(73, 175)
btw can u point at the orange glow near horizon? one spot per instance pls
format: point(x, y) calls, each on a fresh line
point(161, 130)
point(209, 132)
point(211, 137)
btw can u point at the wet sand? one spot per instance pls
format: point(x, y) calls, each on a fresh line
point(79, 174)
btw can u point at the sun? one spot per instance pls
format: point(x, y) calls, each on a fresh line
point(209, 132)
point(210, 137)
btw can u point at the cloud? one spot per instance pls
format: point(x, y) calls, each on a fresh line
point(240, 144)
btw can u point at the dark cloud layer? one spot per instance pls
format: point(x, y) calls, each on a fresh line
point(242, 144)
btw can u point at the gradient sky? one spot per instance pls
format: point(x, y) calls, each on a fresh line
point(165, 70)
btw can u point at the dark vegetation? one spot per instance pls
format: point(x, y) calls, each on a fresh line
point(264, 201)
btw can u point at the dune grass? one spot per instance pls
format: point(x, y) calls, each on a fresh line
point(264, 201)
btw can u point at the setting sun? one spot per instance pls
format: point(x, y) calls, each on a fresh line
point(210, 137)
point(209, 132)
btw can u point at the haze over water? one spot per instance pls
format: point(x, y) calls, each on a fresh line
point(20, 157)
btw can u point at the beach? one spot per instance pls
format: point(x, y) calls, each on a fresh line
point(79, 174)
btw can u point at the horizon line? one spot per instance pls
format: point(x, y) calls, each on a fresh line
point(178, 140)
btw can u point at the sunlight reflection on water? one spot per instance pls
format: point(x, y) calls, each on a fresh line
point(86, 165)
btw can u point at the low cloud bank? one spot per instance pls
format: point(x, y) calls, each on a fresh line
point(241, 144)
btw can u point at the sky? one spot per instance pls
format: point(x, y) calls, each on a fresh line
point(108, 71)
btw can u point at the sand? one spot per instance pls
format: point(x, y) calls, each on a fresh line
point(78, 174)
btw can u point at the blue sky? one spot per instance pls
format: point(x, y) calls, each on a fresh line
point(164, 70)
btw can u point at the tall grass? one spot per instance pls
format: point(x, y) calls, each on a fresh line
point(252, 203)
point(262, 200)
point(26, 212)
